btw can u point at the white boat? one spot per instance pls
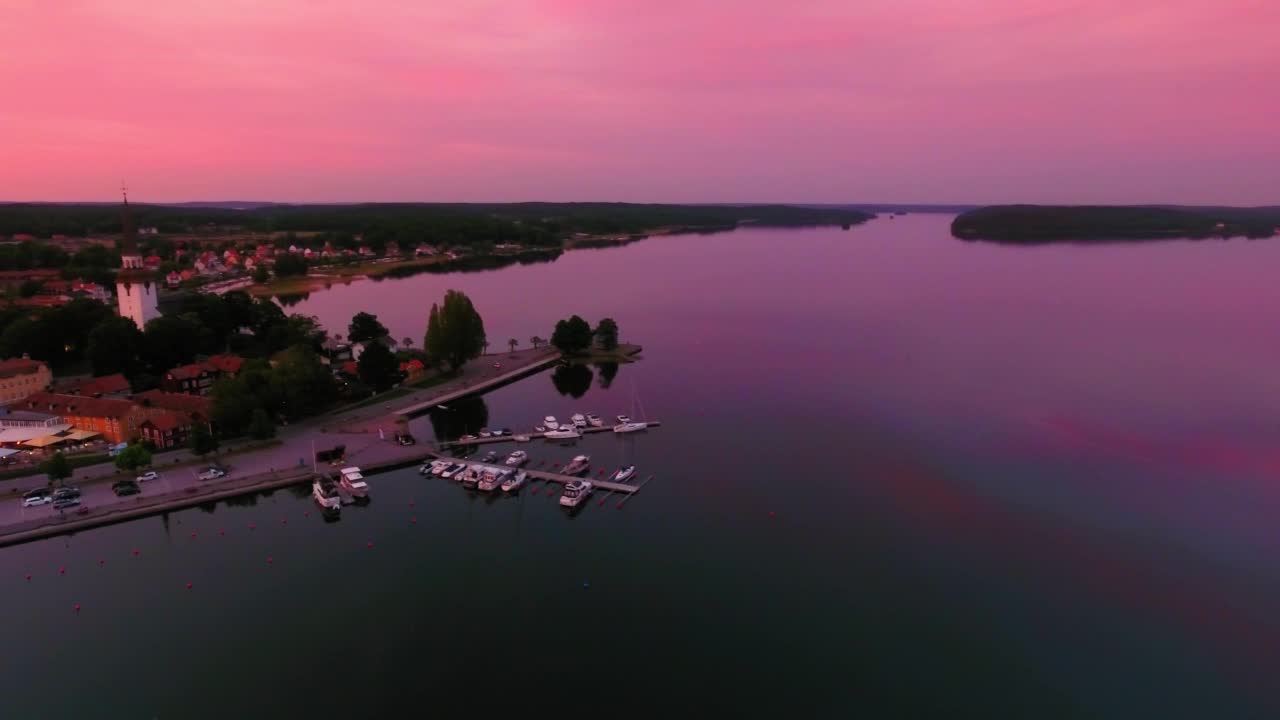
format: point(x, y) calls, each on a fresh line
point(594, 420)
point(484, 433)
point(435, 467)
point(579, 420)
point(514, 481)
point(489, 456)
point(441, 468)
point(471, 476)
point(520, 438)
point(568, 426)
point(627, 427)
point(575, 492)
point(622, 419)
point(326, 493)
point(452, 471)
point(491, 479)
point(517, 458)
point(578, 465)
point(354, 482)
point(539, 428)
point(624, 474)
point(569, 434)
point(551, 422)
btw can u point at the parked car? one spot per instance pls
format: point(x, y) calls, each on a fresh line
point(39, 496)
point(63, 493)
point(125, 487)
point(149, 475)
point(405, 439)
point(66, 502)
point(212, 474)
point(497, 366)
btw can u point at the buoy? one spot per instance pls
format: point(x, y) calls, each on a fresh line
point(188, 586)
point(62, 571)
point(535, 491)
point(770, 513)
point(413, 520)
point(370, 544)
point(193, 533)
point(601, 503)
point(222, 532)
point(284, 521)
point(252, 526)
point(269, 560)
point(28, 577)
point(135, 552)
point(307, 514)
point(410, 503)
point(619, 505)
point(101, 561)
point(77, 608)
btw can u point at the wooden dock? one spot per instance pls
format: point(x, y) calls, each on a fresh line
point(536, 436)
point(553, 477)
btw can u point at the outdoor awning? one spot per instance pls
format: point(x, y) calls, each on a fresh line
point(45, 441)
point(6, 452)
point(78, 435)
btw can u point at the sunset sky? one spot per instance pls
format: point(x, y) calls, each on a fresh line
point(978, 101)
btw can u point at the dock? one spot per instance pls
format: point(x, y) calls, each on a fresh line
point(550, 476)
point(536, 435)
point(529, 368)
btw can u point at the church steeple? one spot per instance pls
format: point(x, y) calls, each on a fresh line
point(128, 245)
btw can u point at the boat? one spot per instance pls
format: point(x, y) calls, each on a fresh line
point(491, 479)
point(624, 419)
point(517, 458)
point(551, 422)
point(575, 492)
point(626, 427)
point(569, 434)
point(579, 420)
point(440, 469)
point(624, 474)
point(471, 477)
point(578, 465)
point(435, 467)
point(520, 438)
point(514, 481)
point(484, 433)
point(490, 456)
point(594, 420)
point(568, 426)
point(452, 471)
point(354, 482)
point(539, 428)
point(625, 423)
point(325, 491)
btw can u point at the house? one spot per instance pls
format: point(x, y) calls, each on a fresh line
point(264, 252)
point(392, 249)
point(152, 261)
point(116, 419)
point(90, 290)
point(424, 250)
point(413, 369)
point(198, 377)
point(165, 429)
point(95, 387)
point(173, 279)
point(366, 251)
point(350, 368)
point(20, 377)
point(196, 408)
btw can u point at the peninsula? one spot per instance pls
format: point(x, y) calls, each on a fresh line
point(1031, 224)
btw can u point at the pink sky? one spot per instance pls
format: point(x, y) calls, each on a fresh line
point(694, 101)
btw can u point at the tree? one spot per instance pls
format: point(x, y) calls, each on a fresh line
point(607, 334)
point(114, 346)
point(512, 343)
point(56, 467)
point(290, 264)
point(535, 341)
point(406, 343)
point(300, 383)
point(377, 367)
point(29, 288)
point(201, 440)
point(365, 327)
point(172, 340)
point(260, 425)
point(261, 275)
point(572, 336)
point(455, 331)
point(133, 457)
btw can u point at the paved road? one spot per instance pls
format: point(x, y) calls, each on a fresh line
point(296, 443)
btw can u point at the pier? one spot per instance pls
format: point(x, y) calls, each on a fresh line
point(550, 476)
point(536, 436)
point(534, 365)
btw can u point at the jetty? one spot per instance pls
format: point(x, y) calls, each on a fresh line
point(533, 365)
point(548, 476)
point(535, 436)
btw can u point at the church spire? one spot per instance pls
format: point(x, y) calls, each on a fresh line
point(128, 236)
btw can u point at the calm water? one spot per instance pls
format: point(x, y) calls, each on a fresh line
point(899, 475)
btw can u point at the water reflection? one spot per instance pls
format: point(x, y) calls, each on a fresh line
point(465, 416)
point(475, 263)
point(572, 379)
point(608, 371)
point(291, 299)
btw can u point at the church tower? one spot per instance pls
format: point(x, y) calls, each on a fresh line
point(135, 285)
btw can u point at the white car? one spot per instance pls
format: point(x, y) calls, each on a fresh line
point(36, 500)
point(211, 474)
point(151, 475)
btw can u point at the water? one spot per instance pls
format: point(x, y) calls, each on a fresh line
point(899, 475)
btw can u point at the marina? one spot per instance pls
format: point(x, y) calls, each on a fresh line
point(547, 435)
point(548, 476)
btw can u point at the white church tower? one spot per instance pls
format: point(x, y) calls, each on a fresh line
point(136, 286)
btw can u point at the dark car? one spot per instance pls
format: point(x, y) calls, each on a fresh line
point(66, 502)
point(405, 439)
point(65, 493)
point(125, 487)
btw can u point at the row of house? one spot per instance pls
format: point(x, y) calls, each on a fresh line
point(162, 418)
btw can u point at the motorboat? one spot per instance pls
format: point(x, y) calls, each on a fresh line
point(517, 458)
point(453, 471)
point(440, 467)
point(626, 427)
point(551, 422)
point(471, 477)
point(484, 433)
point(539, 428)
point(520, 438)
point(578, 465)
point(490, 456)
point(435, 467)
point(491, 479)
point(353, 482)
point(579, 420)
point(624, 474)
point(467, 438)
point(594, 420)
point(568, 426)
point(569, 434)
point(575, 492)
point(514, 481)
point(624, 419)
point(325, 491)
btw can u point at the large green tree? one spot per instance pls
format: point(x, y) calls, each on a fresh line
point(173, 340)
point(260, 425)
point(300, 383)
point(133, 457)
point(56, 467)
point(201, 440)
point(290, 264)
point(377, 367)
point(455, 331)
point(365, 327)
point(607, 334)
point(114, 346)
point(572, 336)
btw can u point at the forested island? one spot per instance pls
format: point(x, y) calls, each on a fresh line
point(1048, 223)
point(533, 223)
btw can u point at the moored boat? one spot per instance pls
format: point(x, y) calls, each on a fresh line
point(550, 422)
point(325, 491)
point(490, 479)
point(624, 474)
point(626, 427)
point(578, 465)
point(575, 492)
point(594, 420)
point(471, 477)
point(353, 482)
point(517, 458)
point(578, 420)
point(570, 434)
point(514, 481)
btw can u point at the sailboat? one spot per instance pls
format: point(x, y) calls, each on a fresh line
point(625, 423)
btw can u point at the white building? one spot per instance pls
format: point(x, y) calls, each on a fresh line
point(136, 287)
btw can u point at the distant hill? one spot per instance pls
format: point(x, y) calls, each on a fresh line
point(1102, 223)
point(224, 204)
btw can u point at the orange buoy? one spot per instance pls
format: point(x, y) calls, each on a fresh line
point(101, 561)
point(193, 533)
point(252, 526)
point(77, 607)
point(188, 586)
point(135, 552)
point(222, 532)
point(410, 503)
point(28, 577)
point(62, 571)
point(770, 513)
point(270, 560)
point(370, 543)
point(284, 521)
point(619, 506)
point(413, 520)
